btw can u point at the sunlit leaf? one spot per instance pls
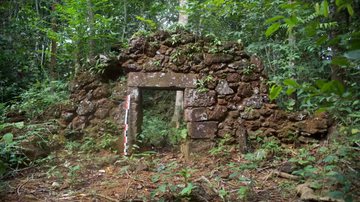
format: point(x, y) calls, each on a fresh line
point(354, 131)
point(8, 138)
point(275, 92)
point(350, 9)
point(325, 8)
point(19, 125)
point(273, 28)
point(273, 19)
point(291, 82)
point(162, 188)
point(187, 190)
point(290, 91)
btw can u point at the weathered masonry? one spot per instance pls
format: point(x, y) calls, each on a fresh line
point(225, 91)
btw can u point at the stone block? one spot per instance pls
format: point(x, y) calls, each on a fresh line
point(201, 146)
point(223, 88)
point(85, 108)
point(195, 98)
point(196, 114)
point(219, 113)
point(244, 90)
point(217, 58)
point(202, 130)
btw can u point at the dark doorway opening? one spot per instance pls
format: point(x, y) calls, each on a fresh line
point(158, 132)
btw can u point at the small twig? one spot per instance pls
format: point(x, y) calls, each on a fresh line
point(127, 188)
point(21, 185)
point(107, 198)
point(129, 184)
point(286, 175)
point(267, 176)
point(264, 168)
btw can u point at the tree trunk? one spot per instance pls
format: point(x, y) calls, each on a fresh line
point(179, 101)
point(125, 21)
point(183, 16)
point(91, 54)
point(53, 43)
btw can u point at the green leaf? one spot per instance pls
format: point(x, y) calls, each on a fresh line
point(162, 188)
point(2, 168)
point(183, 133)
point(336, 194)
point(292, 83)
point(350, 9)
point(339, 2)
point(273, 28)
point(325, 8)
point(242, 192)
point(326, 87)
point(321, 40)
point(187, 190)
point(317, 8)
point(275, 92)
point(273, 19)
point(320, 110)
point(329, 159)
point(354, 131)
point(8, 138)
point(353, 55)
point(292, 21)
point(19, 125)
point(290, 91)
point(320, 83)
point(338, 87)
point(315, 185)
point(341, 61)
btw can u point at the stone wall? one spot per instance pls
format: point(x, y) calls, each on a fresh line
point(225, 90)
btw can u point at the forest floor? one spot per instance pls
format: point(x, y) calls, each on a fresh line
point(73, 175)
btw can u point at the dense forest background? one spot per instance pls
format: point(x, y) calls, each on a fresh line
point(44, 43)
point(310, 49)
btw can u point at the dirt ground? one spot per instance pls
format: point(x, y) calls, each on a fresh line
point(104, 176)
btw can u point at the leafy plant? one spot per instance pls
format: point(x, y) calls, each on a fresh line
point(40, 96)
point(73, 173)
point(12, 150)
point(221, 149)
point(201, 84)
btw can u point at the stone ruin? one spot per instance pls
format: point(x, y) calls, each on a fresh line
point(225, 92)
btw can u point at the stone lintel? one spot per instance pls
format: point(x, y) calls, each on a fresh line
point(161, 80)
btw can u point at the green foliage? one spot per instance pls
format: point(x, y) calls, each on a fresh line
point(222, 148)
point(73, 173)
point(151, 24)
point(201, 84)
point(182, 190)
point(323, 95)
point(274, 92)
point(41, 96)
point(330, 170)
point(158, 131)
point(13, 145)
